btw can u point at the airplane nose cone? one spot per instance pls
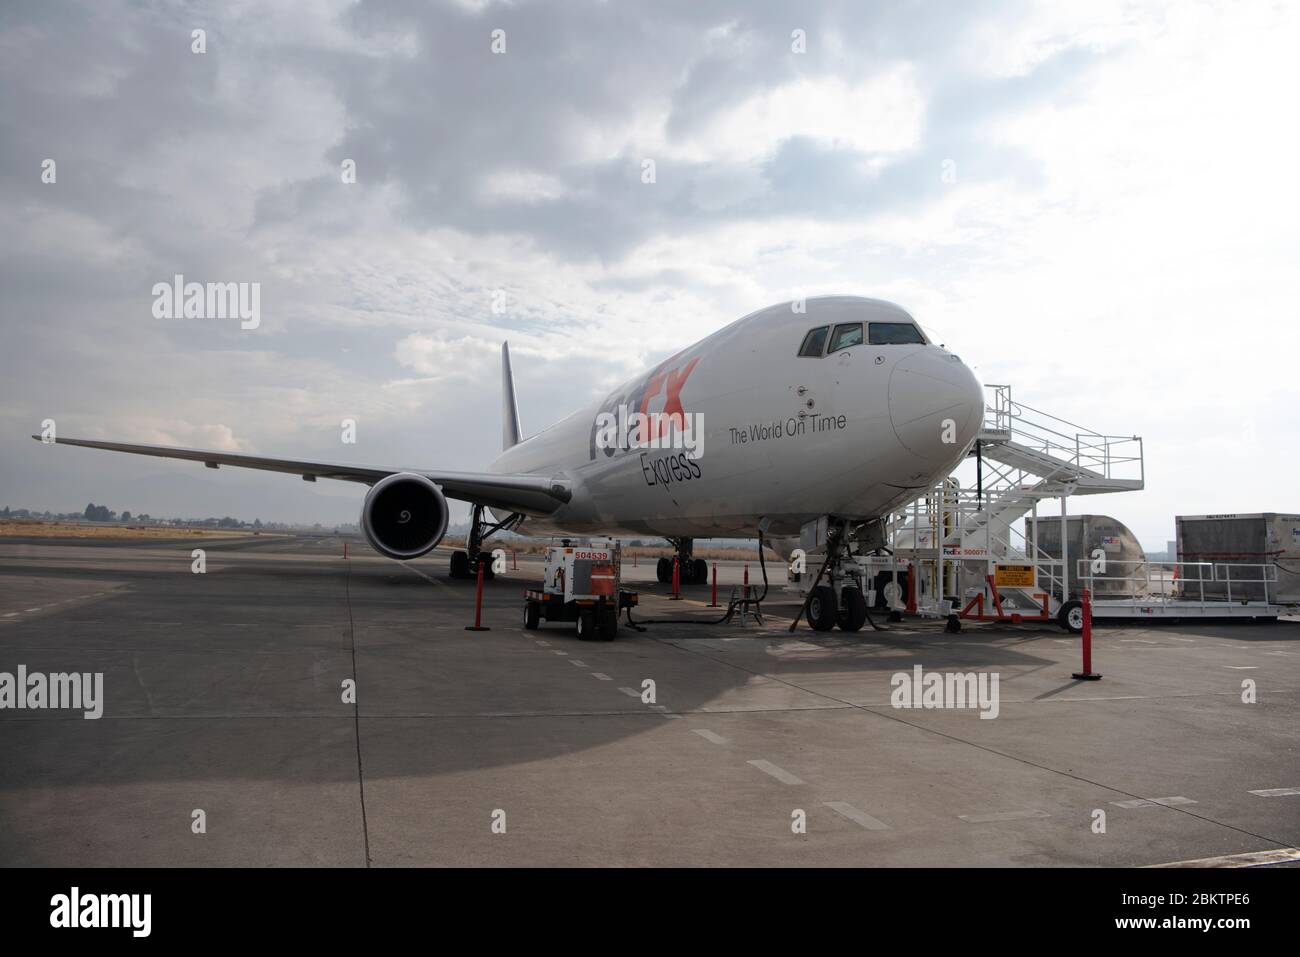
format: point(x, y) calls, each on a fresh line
point(936, 404)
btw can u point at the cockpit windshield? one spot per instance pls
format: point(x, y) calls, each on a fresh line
point(846, 335)
point(894, 334)
point(814, 343)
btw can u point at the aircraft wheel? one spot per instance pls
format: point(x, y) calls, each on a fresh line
point(853, 609)
point(586, 625)
point(532, 614)
point(822, 608)
point(664, 570)
point(459, 564)
point(1070, 617)
point(953, 626)
point(701, 571)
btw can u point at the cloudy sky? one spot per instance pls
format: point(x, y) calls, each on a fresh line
point(1095, 202)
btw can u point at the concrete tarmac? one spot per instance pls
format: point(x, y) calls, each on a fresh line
point(224, 692)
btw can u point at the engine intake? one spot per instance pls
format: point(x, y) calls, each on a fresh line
point(404, 516)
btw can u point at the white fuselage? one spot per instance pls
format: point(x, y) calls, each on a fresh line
point(853, 433)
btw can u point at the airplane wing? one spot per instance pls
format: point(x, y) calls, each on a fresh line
point(529, 494)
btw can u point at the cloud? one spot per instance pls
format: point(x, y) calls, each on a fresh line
point(1092, 202)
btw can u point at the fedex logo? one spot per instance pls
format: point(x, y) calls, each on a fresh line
point(629, 421)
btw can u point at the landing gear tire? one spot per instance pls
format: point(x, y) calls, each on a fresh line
point(586, 625)
point(664, 570)
point(853, 609)
point(532, 614)
point(460, 564)
point(1070, 617)
point(822, 608)
point(953, 626)
point(608, 624)
point(701, 568)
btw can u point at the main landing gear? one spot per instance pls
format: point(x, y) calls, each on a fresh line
point(694, 571)
point(464, 564)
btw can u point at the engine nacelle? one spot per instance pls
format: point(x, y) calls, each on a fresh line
point(404, 516)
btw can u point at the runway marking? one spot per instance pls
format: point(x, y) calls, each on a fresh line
point(557, 651)
point(782, 775)
point(1243, 667)
point(856, 816)
point(544, 644)
point(1276, 792)
point(663, 711)
point(708, 735)
point(576, 663)
point(428, 578)
point(1153, 802)
point(630, 693)
point(601, 675)
point(1000, 816)
point(1248, 859)
point(37, 608)
point(13, 614)
point(1288, 654)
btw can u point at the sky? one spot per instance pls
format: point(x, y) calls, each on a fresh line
point(1096, 203)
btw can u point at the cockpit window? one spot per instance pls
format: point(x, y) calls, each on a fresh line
point(849, 334)
point(894, 334)
point(814, 342)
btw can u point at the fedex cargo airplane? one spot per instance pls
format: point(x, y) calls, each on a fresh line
point(834, 408)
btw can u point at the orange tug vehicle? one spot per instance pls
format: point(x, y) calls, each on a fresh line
point(581, 585)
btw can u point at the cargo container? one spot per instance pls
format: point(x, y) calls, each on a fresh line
point(1092, 538)
point(1239, 557)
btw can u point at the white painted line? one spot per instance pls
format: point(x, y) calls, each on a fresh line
point(1276, 792)
point(1242, 667)
point(1288, 654)
point(708, 735)
point(544, 644)
point(37, 608)
point(630, 693)
point(782, 775)
point(1000, 816)
point(1249, 859)
point(1152, 802)
point(1176, 638)
point(557, 651)
point(601, 675)
point(576, 663)
point(856, 816)
point(13, 614)
point(428, 578)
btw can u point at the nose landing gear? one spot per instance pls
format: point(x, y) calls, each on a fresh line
point(825, 607)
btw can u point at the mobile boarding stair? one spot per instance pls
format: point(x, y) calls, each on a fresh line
point(968, 558)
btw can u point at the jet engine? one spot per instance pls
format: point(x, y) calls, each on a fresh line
point(404, 516)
